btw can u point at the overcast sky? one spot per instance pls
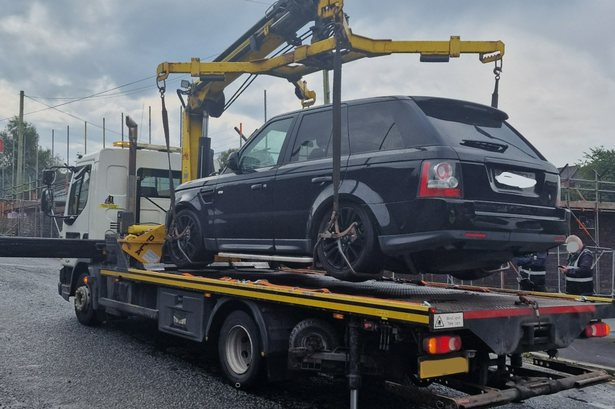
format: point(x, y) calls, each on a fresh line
point(99, 57)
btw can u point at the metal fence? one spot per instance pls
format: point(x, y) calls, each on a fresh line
point(604, 274)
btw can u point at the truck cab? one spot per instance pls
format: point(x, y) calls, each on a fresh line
point(98, 190)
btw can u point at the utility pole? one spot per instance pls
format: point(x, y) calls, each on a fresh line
point(150, 124)
point(85, 137)
point(67, 144)
point(20, 144)
point(103, 132)
point(122, 125)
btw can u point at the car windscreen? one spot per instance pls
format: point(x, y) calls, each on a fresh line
point(475, 126)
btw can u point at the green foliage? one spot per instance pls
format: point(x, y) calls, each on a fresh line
point(600, 160)
point(597, 168)
point(223, 158)
point(8, 157)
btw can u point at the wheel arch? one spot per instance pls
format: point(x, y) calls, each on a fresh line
point(362, 196)
point(81, 267)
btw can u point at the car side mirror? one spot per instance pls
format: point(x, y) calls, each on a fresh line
point(233, 161)
point(47, 201)
point(49, 176)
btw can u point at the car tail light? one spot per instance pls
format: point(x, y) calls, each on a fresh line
point(442, 344)
point(597, 330)
point(439, 179)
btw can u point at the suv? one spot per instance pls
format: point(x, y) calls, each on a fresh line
point(431, 185)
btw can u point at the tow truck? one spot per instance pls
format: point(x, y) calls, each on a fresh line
point(281, 323)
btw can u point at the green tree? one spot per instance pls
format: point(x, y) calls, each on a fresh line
point(598, 163)
point(223, 158)
point(8, 157)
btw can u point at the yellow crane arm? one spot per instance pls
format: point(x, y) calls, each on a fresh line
point(249, 56)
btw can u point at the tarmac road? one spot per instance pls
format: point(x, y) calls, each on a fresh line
point(49, 360)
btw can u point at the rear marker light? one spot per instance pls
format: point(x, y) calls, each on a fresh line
point(439, 180)
point(442, 344)
point(476, 235)
point(597, 330)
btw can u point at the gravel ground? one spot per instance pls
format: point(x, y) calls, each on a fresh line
point(49, 360)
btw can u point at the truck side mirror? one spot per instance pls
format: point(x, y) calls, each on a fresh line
point(49, 176)
point(233, 161)
point(47, 201)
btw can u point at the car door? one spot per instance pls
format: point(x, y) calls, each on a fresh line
point(304, 177)
point(242, 199)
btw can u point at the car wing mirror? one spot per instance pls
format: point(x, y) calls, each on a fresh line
point(233, 162)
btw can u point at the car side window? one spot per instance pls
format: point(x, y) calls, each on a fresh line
point(264, 149)
point(313, 138)
point(373, 127)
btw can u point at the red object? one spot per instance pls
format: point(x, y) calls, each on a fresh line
point(1, 145)
point(442, 344)
point(426, 175)
point(597, 330)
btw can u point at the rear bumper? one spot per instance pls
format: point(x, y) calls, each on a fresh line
point(431, 224)
point(516, 242)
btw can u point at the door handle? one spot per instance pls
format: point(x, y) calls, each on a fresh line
point(322, 179)
point(257, 186)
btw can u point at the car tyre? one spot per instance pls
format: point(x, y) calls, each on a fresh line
point(188, 249)
point(362, 251)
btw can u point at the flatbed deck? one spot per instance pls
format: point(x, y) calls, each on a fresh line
point(558, 318)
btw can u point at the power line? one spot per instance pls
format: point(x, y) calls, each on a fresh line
point(71, 115)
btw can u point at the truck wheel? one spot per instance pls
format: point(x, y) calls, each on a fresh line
point(239, 348)
point(314, 334)
point(361, 250)
point(86, 314)
point(188, 248)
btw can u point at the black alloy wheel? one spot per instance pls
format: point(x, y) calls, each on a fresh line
point(360, 247)
point(187, 248)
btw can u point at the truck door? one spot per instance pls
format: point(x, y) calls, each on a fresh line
point(77, 227)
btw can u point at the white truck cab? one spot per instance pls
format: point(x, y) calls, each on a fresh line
point(99, 189)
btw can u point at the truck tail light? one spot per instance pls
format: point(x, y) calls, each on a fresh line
point(597, 330)
point(440, 179)
point(442, 344)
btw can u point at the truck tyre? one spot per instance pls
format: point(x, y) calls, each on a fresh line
point(86, 314)
point(188, 249)
point(362, 250)
point(239, 348)
point(314, 334)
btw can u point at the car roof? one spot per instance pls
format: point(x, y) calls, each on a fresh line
point(418, 99)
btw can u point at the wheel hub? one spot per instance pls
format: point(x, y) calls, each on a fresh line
point(82, 298)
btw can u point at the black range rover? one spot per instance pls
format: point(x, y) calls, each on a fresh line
point(431, 185)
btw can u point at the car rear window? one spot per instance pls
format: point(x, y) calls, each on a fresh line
point(386, 125)
point(475, 126)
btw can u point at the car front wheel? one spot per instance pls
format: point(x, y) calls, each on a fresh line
point(186, 246)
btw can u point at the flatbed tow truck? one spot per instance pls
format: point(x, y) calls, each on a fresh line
point(276, 323)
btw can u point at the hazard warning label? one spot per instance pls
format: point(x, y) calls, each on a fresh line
point(443, 321)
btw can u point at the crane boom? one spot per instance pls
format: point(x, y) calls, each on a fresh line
point(251, 54)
